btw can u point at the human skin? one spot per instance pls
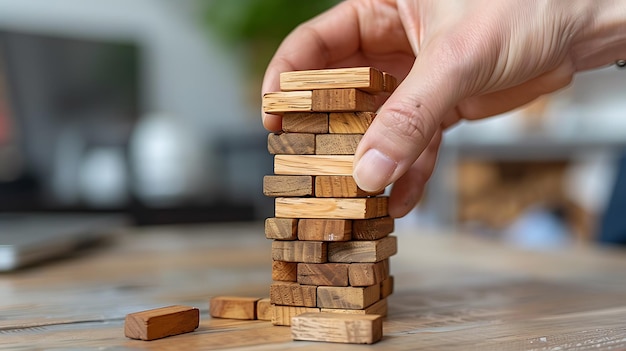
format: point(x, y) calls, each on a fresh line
point(457, 59)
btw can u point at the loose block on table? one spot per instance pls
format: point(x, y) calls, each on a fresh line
point(300, 251)
point(305, 122)
point(340, 328)
point(233, 307)
point(364, 78)
point(372, 229)
point(324, 229)
point(366, 274)
point(339, 186)
point(380, 307)
point(331, 208)
point(291, 143)
point(161, 322)
point(290, 185)
point(284, 271)
point(350, 122)
point(293, 294)
point(323, 274)
point(281, 315)
point(343, 100)
point(281, 228)
point(313, 164)
point(348, 297)
point(362, 251)
point(264, 309)
point(290, 101)
point(336, 144)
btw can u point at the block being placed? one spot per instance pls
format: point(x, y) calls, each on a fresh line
point(334, 327)
point(331, 208)
point(289, 101)
point(275, 185)
point(293, 294)
point(336, 144)
point(324, 229)
point(353, 298)
point(291, 143)
point(305, 122)
point(233, 307)
point(343, 100)
point(281, 228)
point(350, 122)
point(313, 164)
point(339, 186)
point(161, 322)
point(362, 251)
point(363, 78)
point(323, 274)
point(300, 251)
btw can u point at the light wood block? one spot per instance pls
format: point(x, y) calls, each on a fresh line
point(362, 251)
point(339, 186)
point(274, 185)
point(323, 274)
point(300, 251)
point(336, 144)
point(366, 274)
point(264, 309)
point(281, 228)
point(233, 307)
point(284, 271)
point(281, 315)
point(386, 287)
point(161, 322)
point(364, 78)
point(372, 229)
point(353, 298)
point(379, 308)
point(325, 229)
point(313, 164)
point(331, 208)
point(289, 101)
point(291, 143)
point(340, 328)
point(305, 122)
point(343, 100)
point(293, 294)
point(390, 83)
point(350, 122)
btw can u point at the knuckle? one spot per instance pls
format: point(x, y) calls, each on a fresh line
point(410, 122)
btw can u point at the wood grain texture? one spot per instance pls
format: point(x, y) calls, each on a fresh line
point(233, 307)
point(161, 322)
point(340, 328)
point(389, 82)
point(350, 122)
point(290, 101)
point(281, 315)
point(372, 229)
point(364, 78)
point(276, 185)
point(264, 309)
point(336, 144)
point(380, 307)
point(352, 298)
point(362, 251)
point(366, 274)
point(343, 100)
point(325, 229)
point(293, 294)
point(386, 287)
point(284, 271)
point(291, 144)
point(331, 208)
point(339, 186)
point(313, 164)
point(300, 251)
point(305, 122)
point(281, 228)
point(323, 274)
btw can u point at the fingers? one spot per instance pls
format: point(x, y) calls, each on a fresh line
point(408, 189)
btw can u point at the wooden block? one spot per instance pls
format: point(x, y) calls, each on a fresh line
point(284, 271)
point(274, 185)
point(372, 229)
point(331, 208)
point(386, 287)
point(290, 101)
point(305, 122)
point(324, 229)
point(293, 294)
point(341, 328)
point(366, 274)
point(339, 186)
point(281, 315)
point(313, 164)
point(233, 307)
point(379, 308)
point(353, 298)
point(362, 251)
point(343, 100)
point(364, 78)
point(291, 143)
point(300, 251)
point(336, 144)
point(161, 322)
point(323, 274)
point(281, 228)
point(350, 122)
point(264, 309)
point(390, 83)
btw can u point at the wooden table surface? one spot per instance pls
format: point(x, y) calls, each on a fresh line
point(452, 292)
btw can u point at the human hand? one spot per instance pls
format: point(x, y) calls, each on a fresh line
point(459, 59)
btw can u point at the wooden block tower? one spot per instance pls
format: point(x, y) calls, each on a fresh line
point(331, 245)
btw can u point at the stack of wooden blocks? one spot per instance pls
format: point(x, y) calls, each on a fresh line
point(331, 243)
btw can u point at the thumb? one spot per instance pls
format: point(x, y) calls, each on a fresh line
point(405, 124)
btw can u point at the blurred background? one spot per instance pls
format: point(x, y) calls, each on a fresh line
point(151, 108)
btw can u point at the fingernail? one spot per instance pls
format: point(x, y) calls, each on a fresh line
point(373, 170)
